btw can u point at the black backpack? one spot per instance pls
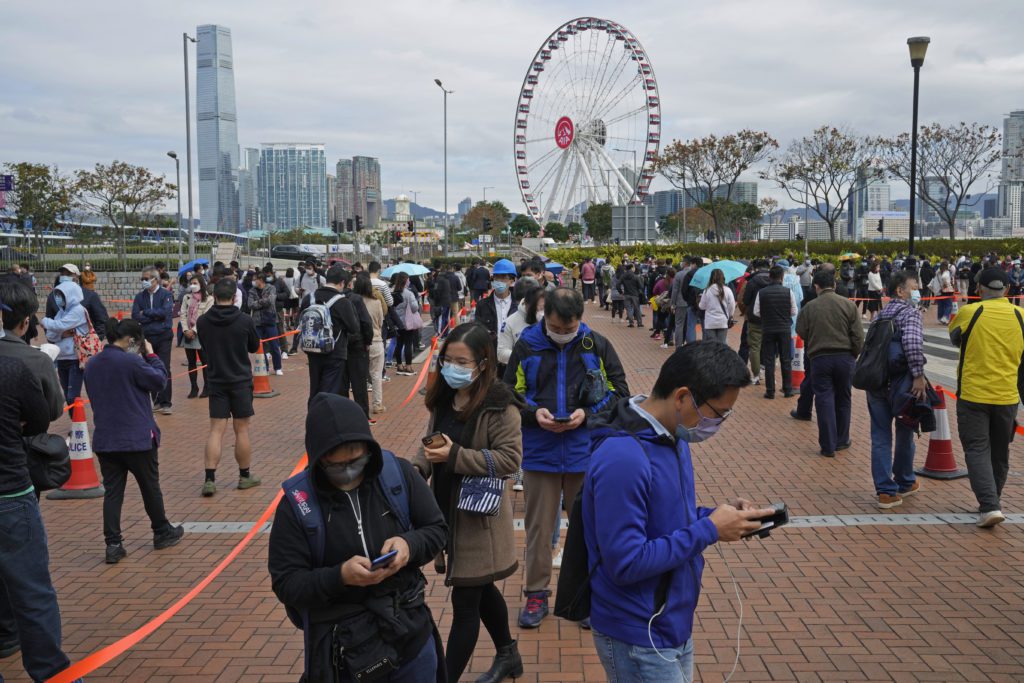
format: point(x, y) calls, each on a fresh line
point(871, 372)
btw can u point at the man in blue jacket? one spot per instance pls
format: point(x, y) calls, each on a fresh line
point(153, 309)
point(566, 374)
point(643, 527)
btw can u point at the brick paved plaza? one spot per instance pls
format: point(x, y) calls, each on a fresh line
point(848, 598)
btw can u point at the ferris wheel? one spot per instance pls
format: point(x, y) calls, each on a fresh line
point(588, 121)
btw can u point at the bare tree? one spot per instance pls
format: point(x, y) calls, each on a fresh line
point(123, 194)
point(952, 159)
point(823, 171)
point(769, 207)
point(699, 167)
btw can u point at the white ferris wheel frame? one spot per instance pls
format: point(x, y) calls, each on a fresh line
point(583, 155)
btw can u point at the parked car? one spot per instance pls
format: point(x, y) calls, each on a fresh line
point(291, 252)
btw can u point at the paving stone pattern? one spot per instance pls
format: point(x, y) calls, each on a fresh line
point(822, 602)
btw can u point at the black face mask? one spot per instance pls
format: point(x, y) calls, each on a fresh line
point(343, 474)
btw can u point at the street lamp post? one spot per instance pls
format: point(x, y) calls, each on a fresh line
point(489, 187)
point(185, 39)
point(446, 94)
point(177, 170)
point(918, 46)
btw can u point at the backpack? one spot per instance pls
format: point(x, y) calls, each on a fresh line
point(871, 372)
point(301, 494)
point(572, 599)
point(317, 329)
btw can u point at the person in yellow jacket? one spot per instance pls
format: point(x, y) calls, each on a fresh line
point(990, 334)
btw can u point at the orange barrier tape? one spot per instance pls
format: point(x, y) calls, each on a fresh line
point(950, 394)
point(423, 374)
point(116, 649)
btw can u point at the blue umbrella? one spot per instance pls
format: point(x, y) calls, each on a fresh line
point(411, 269)
point(192, 264)
point(555, 268)
point(731, 269)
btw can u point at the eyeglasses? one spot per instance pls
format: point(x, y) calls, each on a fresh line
point(469, 364)
point(719, 417)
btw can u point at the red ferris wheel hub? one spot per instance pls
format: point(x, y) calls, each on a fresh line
point(564, 132)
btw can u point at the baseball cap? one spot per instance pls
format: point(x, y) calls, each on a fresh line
point(71, 268)
point(993, 278)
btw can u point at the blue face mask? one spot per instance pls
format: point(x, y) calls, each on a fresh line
point(457, 377)
point(705, 428)
point(500, 287)
point(66, 278)
point(915, 297)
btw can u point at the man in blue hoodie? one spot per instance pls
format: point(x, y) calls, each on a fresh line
point(566, 374)
point(153, 308)
point(643, 527)
point(70, 319)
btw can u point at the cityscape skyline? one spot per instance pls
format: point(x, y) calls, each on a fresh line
point(970, 61)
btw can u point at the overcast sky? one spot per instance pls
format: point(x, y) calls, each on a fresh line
point(95, 81)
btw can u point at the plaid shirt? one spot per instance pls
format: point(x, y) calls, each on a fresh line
point(908, 320)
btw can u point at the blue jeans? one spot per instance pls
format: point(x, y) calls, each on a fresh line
point(628, 663)
point(266, 332)
point(420, 669)
point(70, 376)
point(692, 318)
point(832, 382)
point(945, 307)
point(891, 474)
point(28, 603)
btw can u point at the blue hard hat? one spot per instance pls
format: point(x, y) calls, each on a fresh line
point(504, 267)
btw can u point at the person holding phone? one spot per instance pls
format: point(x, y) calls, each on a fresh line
point(473, 418)
point(344, 594)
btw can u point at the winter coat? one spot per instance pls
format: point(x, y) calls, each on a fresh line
point(120, 384)
point(263, 305)
point(714, 317)
point(70, 316)
point(480, 549)
point(154, 311)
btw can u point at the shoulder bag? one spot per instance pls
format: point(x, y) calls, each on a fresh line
point(482, 495)
point(87, 345)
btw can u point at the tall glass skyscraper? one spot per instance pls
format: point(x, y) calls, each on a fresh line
point(293, 185)
point(216, 129)
point(248, 194)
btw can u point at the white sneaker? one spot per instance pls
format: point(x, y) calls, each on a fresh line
point(284, 356)
point(556, 562)
point(990, 518)
point(278, 372)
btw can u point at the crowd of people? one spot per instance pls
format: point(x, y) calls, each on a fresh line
point(526, 391)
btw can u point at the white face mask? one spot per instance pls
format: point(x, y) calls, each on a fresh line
point(562, 339)
point(193, 287)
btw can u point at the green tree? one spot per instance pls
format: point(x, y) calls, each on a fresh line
point(41, 196)
point(575, 230)
point(556, 231)
point(701, 166)
point(122, 193)
point(524, 226)
point(598, 218)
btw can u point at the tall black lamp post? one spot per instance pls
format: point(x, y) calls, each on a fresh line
point(918, 46)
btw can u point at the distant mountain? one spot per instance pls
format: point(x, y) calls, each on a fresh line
point(418, 212)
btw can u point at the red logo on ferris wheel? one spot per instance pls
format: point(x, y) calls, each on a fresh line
point(564, 132)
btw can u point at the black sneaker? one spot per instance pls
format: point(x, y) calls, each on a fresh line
point(826, 454)
point(843, 446)
point(168, 538)
point(797, 416)
point(115, 553)
point(788, 394)
point(769, 394)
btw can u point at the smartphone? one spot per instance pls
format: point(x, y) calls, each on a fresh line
point(779, 517)
point(383, 561)
point(429, 440)
point(563, 419)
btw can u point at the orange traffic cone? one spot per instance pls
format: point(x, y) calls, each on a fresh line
point(798, 365)
point(433, 371)
point(83, 482)
point(426, 305)
point(261, 376)
point(940, 463)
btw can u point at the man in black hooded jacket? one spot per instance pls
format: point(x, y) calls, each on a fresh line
point(342, 594)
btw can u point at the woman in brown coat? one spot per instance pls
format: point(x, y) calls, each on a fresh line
point(470, 413)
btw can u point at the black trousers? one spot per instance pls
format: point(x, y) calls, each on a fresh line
point(144, 467)
point(324, 374)
point(192, 355)
point(777, 344)
point(985, 433)
point(162, 348)
point(354, 376)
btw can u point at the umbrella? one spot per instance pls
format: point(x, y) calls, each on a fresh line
point(731, 269)
point(849, 255)
point(192, 264)
point(411, 269)
point(555, 268)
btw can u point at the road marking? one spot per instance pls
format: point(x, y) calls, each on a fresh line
point(811, 521)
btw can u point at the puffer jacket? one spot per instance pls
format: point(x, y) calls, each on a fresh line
point(70, 316)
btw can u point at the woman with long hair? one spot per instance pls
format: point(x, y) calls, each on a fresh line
point(407, 308)
point(874, 290)
point(718, 303)
point(476, 431)
point(197, 301)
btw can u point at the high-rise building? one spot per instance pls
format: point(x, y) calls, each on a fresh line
point(344, 194)
point(332, 194)
point(665, 202)
point(742, 192)
point(1011, 182)
point(216, 129)
point(248, 190)
point(1011, 202)
point(464, 206)
point(366, 186)
point(293, 185)
point(935, 189)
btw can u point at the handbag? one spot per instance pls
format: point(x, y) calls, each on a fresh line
point(49, 462)
point(87, 345)
point(482, 495)
point(731, 320)
point(412, 319)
